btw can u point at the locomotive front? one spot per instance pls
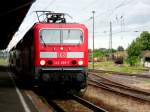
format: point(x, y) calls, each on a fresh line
point(61, 54)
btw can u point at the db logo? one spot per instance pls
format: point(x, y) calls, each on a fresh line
point(61, 55)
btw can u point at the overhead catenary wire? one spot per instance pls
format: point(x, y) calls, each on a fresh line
point(93, 2)
point(111, 11)
point(49, 4)
point(10, 45)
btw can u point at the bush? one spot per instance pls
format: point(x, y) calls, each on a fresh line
point(133, 60)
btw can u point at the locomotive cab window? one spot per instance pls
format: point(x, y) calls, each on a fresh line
point(61, 36)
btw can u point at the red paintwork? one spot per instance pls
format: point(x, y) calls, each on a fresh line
point(56, 48)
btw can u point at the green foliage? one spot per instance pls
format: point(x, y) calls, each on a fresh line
point(98, 53)
point(111, 66)
point(120, 48)
point(89, 50)
point(137, 46)
point(133, 60)
point(3, 62)
point(134, 49)
point(145, 40)
point(101, 53)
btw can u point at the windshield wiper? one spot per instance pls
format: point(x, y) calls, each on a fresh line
point(42, 40)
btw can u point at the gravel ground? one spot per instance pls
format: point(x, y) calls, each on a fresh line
point(72, 106)
point(139, 82)
point(115, 102)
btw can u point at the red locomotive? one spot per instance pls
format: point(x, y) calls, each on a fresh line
point(53, 52)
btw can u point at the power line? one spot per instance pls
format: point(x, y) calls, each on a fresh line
point(89, 5)
point(116, 7)
point(112, 10)
point(99, 15)
point(52, 2)
point(34, 11)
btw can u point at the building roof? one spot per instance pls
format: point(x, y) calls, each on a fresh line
point(145, 53)
point(12, 12)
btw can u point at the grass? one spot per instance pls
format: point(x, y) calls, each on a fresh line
point(111, 66)
point(107, 65)
point(3, 62)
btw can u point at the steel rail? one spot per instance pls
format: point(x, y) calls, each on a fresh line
point(88, 104)
point(116, 83)
point(40, 104)
point(118, 91)
point(119, 73)
point(121, 89)
point(80, 100)
point(56, 107)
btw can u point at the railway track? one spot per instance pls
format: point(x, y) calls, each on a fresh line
point(117, 87)
point(88, 104)
point(119, 73)
point(65, 104)
point(81, 105)
point(45, 103)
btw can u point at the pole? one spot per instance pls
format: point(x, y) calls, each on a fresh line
point(93, 41)
point(110, 40)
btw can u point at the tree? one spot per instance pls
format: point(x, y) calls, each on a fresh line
point(98, 53)
point(120, 48)
point(145, 40)
point(137, 46)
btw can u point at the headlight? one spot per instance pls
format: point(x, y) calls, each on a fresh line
point(80, 62)
point(42, 62)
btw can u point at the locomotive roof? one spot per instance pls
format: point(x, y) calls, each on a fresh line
point(58, 25)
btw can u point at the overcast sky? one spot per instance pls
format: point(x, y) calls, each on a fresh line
point(129, 18)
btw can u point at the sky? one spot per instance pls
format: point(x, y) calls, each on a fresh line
point(128, 17)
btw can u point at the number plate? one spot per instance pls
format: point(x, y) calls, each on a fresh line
point(62, 62)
